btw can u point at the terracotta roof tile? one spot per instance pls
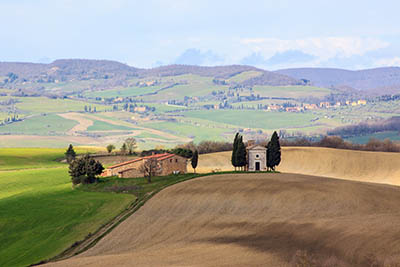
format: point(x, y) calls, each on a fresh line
point(156, 156)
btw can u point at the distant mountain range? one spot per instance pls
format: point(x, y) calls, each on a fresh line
point(377, 81)
point(374, 81)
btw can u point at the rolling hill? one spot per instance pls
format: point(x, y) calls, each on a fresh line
point(86, 69)
point(257, 219)
point(376, 167)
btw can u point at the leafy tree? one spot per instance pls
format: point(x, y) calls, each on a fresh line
point(70, 154)
point(123, 149)
point(84, 170)
point(183, 152)
point(273, 152)
point(110, 148)
point(195, 160)
point(241, 159)
point(150, 168)
point(234, 151)
point(130, 145)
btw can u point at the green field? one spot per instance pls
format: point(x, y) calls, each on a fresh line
point(39, 125)
point(363, 139)
point(243, 76)
point(197, 133)
point(254, 118)
point(35, 105)
point(291, 91)
point(40, 213)
point(105, 126)
point(125, 92)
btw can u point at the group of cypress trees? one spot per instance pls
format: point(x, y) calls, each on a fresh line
point(239, 159)
point(239, 154)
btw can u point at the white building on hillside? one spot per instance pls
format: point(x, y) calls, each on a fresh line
point(256, 157)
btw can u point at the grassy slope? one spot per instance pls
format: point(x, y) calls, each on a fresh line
point(45, 105)
point(40, 212)
point(198, 133)
point(291, 91)
point(40, 125)
point(363, 139)
point(254, 118)
point(105, 126)
point(125, 92)
point(241, 77)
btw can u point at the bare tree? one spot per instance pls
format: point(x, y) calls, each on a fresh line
point(130, 145)
point(149, 168)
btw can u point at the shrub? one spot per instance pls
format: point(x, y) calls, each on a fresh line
point(337, 142)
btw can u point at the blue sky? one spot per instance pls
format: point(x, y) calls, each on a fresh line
point(349, 34)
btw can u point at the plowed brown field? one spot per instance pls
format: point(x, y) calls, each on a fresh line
point(376, 167)
point(256, 220)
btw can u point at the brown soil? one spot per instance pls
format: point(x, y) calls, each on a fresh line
point(376, 167)
point(82, 125)
point(256, 220)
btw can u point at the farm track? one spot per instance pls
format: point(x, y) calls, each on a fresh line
point(254, 220)
point(86, 120)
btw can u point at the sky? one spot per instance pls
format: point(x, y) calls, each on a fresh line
point(270, 34)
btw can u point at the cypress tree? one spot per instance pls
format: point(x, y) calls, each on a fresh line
point(241, 153)
point(195, 160)
point(234, 151)
point(273, 152)
point(70, 154)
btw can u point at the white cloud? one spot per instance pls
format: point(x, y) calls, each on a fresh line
point(321, 47)
point(395, 61)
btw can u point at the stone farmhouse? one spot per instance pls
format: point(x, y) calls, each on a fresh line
point(256, 157)
point(169, 164)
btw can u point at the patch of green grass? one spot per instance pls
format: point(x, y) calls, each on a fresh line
point(29, 158)
point(190, 85)
point(148, 135)
point(37, 141)
point(136, 186)
point(125, 92)
point(40, 214)
point(195, 131)
point(254, 118)
point(35, 105)
point(39, 125)
point(243, 76)
point(363, 139)
point(291, 91)
point(105, 126)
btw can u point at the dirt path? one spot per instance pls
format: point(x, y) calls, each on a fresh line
point(86, 120)
point(256, 220)
point(83, 123)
